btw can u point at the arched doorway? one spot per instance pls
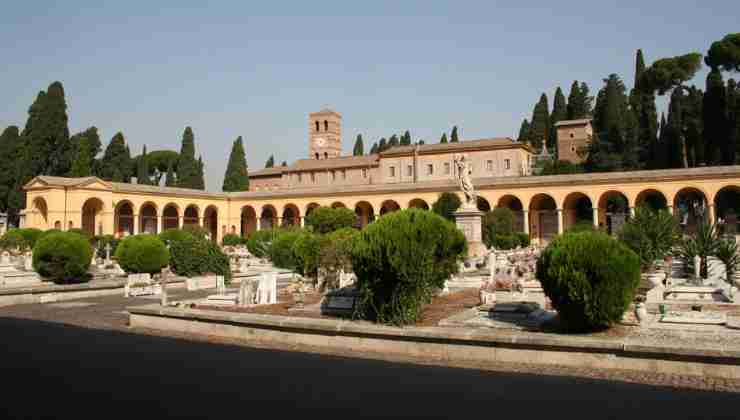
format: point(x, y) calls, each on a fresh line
point(514, 204)
point(248, 221)
point(418, 203)
point(727, 209)
point(651, 198)
point(483, 204)
point(268, 218)
point(170, 217)
point(613, 211)
point(291, 215)
point(41, 214)
point(210, 222)
point(543, 218)
point(389, 206)
point(191, 216)
point(148, 219)
point(124, 219)
point(690, 208)
point(338, 205)
point(365, 213)
point(91, 210)
point(577, 208)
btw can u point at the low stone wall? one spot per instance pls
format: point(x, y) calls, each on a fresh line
point(440, 343)
point(47, 293)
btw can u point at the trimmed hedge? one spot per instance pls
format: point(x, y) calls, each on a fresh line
point(191, 256)
point(232, 240)
point(143, 253)
point(306, 250)
point(498, 230)
point(281, 250)
point(446, 205)
point(590, 278)
point(196, 230)
point(168, 236)
point(259, 242)
point(401, 260)
point(63, 257)
point(23, 239)
point(327, 219)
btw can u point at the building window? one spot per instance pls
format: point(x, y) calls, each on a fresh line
point(430, 169)
point(447, 168)
point(317, 155)
point(507, 164)
point(489, 165)
point(409, 171)
point(326, 125)
point(317, 126)
point(572, 135)
point(313, 177)
point(326, 155)
point(344, 174)
point(364, 173)
point(573, 147)
point(333, 176)
point(300, 178)
point(392, 171)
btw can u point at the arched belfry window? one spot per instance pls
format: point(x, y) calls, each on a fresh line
point(317, 126)
point(326, 125)
point(317, 156)
point(326, 155)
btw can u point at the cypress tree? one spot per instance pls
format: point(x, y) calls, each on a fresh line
point(693, 126)
point(285, 163)
point(646, 114)
point(236, 177)
point(406, 138)
point(81, 167)
point(733, 118)
point(359, 147)
point(715, 120)
point(523, 132)
point(374, 149)
point(443, 139)
point(270, 162)
point(674, 140)
point(10, 149)
point(559, 113)
point(539, 130)
point(116, 163)
point(420, 142)
point(579, 101)
point(200, 183)
point(453, 136)
point(170, 180)
point(94, 146)
point(142, 169)
point(187, 166)
point(393, 142)
point(382, 146)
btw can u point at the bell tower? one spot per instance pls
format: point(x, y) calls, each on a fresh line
point(324, 134)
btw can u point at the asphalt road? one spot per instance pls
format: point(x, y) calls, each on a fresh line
point(59, 370)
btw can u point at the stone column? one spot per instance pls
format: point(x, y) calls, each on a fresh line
point(670, 209)
point(180, 221)
point(632, 211)
point(712, 217)
point(526, 221)
point(303, 221)
point(596, 217)
point(159, 224)
point(560, 221)
point(136, 224)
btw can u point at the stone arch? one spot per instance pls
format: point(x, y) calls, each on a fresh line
point(268, 217)
point(58, 225)
point(92, 211)
point(613, 211)
point(514, 204)
point(123, 218)
point(70, 225)
point(248, 221)
point(311, 207)
point(653, 198)
point(148, 218)
point(690, 206)
point(483, 205)
point(389, 206)
point(170, 217)
point(543, 218)
point(291, 215)
point(365, 213)
point(41, 213)
point(191, 215)
point(418, 203)
point(210, 222)
point(577, 208)
point(727, 209)
point(338, 205)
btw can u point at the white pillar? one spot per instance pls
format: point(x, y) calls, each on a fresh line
point(560, 221)
point(526, 221)
point(596, 217)
point(159, 225)
point(711, 213)
point(670, 209)
point(180, 222)
point(303, 221)
point(632, 211)
point(136, 224)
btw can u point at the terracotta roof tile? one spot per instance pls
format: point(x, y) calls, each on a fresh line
point(572, 122)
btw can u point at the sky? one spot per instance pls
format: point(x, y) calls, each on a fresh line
point(257, 69)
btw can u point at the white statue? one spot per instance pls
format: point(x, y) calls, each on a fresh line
point(464, 172)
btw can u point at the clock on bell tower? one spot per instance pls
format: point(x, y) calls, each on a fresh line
point(325, 134)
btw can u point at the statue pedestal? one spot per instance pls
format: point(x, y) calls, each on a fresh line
point(469, 222)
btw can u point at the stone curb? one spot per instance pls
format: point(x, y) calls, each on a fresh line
point(712, 362)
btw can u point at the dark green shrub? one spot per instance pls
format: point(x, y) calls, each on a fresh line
point(498, 229)
point(281, 250)
point(590, 278)
point(651, 234)
point(168, 236)
point(728, 252)
point(522, 239)
point(505, 242)
point(327, 219)
point(306, 249)
point(80, 232)
point(335, 254)
point(22, 239)
point(192, 256)
point(704, 243)
point(582, 226)
point(142, 254)
point(400, 260)
point(63, 257)
point(446, 205)
point(100, 243)
point(259, 242)
point(196, 230)
point(232, 240)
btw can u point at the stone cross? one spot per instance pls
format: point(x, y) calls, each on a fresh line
point(697, 266)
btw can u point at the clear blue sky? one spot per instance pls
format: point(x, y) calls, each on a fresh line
point(256, 69)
